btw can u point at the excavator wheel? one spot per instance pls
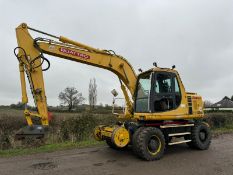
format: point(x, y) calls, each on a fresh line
point(134, 140)
point(150, 143)
point(200, 136)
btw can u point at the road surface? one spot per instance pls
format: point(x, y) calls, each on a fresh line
point(178, 160)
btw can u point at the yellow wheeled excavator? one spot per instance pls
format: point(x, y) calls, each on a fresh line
point(159, 112)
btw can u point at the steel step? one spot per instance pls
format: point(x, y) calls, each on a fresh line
point(176, 126)
point(179, 142)
point(179, 134)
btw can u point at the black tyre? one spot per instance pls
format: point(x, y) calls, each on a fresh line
point(134, 140)
point(150, 143)
point(201, 136)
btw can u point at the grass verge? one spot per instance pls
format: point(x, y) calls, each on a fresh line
point(49, 148)
point(82, 144)
point(224, 130)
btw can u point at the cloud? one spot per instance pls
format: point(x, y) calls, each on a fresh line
point(194, 35)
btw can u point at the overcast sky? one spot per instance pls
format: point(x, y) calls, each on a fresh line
point(195, 35)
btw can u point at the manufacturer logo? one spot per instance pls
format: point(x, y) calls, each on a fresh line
point(74, 53)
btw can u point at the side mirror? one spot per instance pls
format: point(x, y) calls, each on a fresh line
point(114, 92)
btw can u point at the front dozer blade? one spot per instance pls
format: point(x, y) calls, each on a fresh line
point(35, 131)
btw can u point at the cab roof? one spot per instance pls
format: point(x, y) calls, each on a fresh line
point(160, 69)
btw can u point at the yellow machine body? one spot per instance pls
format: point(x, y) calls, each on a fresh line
point(30, 56)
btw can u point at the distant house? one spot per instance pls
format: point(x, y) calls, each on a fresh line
point(224, 105)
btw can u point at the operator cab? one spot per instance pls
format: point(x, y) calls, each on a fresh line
point(158, 90)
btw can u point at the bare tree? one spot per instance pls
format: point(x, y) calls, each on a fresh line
point(71, 97)
point(232, 98)
point(92, 93)
point(207, 104)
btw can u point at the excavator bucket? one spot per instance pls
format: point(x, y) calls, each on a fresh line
point(35, 131)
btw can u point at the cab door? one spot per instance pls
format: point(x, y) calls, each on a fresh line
point(165, 92)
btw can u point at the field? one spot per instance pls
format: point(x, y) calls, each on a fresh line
point(69, 130)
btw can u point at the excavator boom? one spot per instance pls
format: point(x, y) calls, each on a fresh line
point(31, 57)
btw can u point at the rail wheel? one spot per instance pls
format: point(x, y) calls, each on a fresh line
point(110, 144)
point(113, 146)
point(119, 139)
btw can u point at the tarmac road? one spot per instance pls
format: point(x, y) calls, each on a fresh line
point(178, 160)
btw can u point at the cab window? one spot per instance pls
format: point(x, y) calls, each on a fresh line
point(143, 93)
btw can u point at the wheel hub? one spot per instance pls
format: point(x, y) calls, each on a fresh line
point(202, 136)
point(153, 145)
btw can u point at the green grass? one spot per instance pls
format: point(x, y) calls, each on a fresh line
point(223, 130)
point(49, 148)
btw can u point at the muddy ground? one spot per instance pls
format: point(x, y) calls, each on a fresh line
point(178, 160)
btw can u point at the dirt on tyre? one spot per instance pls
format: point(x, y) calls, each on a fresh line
point(201, 136)
point(150, 143)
